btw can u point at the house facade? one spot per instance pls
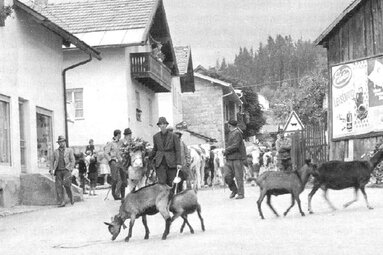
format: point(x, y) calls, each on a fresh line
point(354, 43)
point(30, 121)
point(206, 111)
point(170, 103)
point(138, 62)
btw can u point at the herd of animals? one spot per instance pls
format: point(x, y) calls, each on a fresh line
point(155, 198)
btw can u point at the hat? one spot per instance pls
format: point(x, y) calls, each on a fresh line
point(116, 132)
point(127, 131)
point(162, 120)
point(233, 122)
point(61, 139)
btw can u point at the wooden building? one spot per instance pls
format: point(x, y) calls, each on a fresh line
point(354, 43)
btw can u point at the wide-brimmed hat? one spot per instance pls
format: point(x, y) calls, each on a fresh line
point(127, 131)
point(233, 123)
point(61, 139)
point(162, 120)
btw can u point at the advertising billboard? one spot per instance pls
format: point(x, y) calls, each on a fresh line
point(357, 98)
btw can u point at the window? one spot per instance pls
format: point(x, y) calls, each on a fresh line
point(75, 98)
point(138, 106)
point(5, 148)
point(44, 137)
point(150, 112)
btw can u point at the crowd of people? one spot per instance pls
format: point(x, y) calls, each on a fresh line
point(169, 156)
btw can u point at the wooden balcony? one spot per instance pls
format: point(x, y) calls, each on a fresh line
point(149, 71)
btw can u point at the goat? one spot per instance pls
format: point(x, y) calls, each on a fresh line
point(148, 200)
point(185, 203)
point(339, 175)
point(279, 183)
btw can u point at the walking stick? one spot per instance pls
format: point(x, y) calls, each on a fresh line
point(108, 193)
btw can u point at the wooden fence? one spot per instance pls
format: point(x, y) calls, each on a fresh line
point(310, 143)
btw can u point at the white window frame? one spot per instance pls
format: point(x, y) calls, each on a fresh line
point(71, 99)
point(7, 128)
point(50, 145)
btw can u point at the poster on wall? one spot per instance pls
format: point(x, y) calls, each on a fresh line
point(357, 98)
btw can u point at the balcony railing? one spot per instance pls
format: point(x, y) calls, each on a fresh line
point(149, 71)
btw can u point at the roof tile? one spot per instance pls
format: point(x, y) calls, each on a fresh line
point(98, 15)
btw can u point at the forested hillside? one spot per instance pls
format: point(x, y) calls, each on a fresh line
point(292, 75)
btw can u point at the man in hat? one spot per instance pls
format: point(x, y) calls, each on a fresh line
point(283, 146)
point(113, 155)
point(166, 153)
point(235, 153)
point(63, 163)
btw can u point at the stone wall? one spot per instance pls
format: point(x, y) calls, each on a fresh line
point(203, 110)
point(38, 189)
point(9, 190)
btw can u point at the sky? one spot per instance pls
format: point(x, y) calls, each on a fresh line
point(216, 29)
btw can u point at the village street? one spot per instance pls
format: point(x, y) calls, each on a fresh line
point(232, 227)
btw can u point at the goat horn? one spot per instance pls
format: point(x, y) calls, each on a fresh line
point(107, 223)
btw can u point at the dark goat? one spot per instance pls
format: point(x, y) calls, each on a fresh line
point(339, 175)
point(148, 200)
point(279, 183)
point(185, 203)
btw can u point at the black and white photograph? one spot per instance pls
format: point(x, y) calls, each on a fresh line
point(223, 127)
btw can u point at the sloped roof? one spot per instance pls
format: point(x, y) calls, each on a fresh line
point(343, 17)
point(40, 17)
point(102, 15)
point(103, 22)
point(182, 56)
point(223, 84)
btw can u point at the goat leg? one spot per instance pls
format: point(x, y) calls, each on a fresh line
point(299, 205)
point(327, 200)
point(269, 204)
point(291, 206)
point(144, 221)
point(200, 217)
point(131, 223)
point(365, 198)
point(354, 200)
point(185, 217)
point(168, 222)
point(311, 194)
point(259, 202)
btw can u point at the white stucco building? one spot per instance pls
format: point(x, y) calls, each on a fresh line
point(138, 62)
point(31, 94)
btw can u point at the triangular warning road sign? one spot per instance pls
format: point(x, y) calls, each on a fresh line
point(293, 123)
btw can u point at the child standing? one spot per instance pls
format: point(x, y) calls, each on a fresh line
point(92, 174)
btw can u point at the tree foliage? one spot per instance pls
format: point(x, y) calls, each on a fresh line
point(290, 74)
point(252, 113)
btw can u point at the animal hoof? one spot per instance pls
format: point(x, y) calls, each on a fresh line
point(192, 231)
point(163, 237)
point(126, 239)
point(311, 212)
point(370, 207)
point(146, 237)
point(284, 214)
point(303, 214)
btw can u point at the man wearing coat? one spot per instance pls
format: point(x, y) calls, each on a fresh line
point(235, 153)
point(166, 153)
point(63, 163)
